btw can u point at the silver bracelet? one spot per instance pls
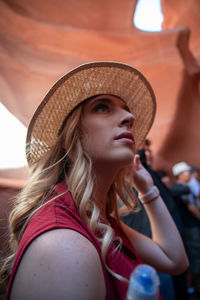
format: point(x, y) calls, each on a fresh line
point(152, 194)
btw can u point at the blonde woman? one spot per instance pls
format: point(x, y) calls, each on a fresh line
point(67, 239)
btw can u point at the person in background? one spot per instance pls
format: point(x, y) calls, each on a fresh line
point(145, 153)
point(165, 178)
point(194, 184)
point(190, 216)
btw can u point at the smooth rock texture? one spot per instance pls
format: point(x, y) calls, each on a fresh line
point(183, 13)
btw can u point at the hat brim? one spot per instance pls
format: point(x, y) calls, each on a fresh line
point(80, 84)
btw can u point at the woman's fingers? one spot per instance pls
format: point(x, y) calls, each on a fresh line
point(136, 162)
point(141, 177)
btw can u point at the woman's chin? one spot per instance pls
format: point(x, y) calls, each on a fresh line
point(115, 160)
point(126, 159)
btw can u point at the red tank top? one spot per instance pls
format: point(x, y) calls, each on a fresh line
point(62, 213)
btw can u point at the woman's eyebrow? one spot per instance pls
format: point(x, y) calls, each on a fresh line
point(101, 100)
point(109, 101)
point(92, 102)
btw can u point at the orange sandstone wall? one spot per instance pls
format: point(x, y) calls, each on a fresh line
point(183, 139)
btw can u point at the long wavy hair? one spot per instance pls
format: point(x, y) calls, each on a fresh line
point(74, 166)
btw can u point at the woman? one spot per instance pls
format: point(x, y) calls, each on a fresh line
point(66, 234)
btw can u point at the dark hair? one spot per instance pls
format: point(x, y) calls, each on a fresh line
point(161, 173)
point(142, 155)
point(147, 142)
point(193, 169)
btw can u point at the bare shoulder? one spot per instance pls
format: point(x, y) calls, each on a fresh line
point(60, 264)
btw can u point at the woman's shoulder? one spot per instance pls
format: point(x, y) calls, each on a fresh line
point(59, 212)
point(58, 262)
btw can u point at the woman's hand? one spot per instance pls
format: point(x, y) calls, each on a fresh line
point(141, 177)
point(165, 251)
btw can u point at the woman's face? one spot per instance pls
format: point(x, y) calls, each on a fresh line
point(107, 131)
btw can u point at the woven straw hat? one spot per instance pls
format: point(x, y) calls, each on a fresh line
point(81, 83)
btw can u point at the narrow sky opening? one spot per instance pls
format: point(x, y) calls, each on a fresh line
point(148, 15)
point(12, 137)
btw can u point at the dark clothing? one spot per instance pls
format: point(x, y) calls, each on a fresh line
point(182, 194)
point(140, 222)
point(191, 225)
point(166, 196)
point(164, 191)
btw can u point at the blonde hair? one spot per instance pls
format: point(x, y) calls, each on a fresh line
point(75, 168)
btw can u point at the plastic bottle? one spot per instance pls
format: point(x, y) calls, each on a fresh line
point(143, 284)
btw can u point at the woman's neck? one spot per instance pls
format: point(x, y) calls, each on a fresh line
point(103, 182)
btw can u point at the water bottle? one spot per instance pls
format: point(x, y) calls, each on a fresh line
point(143, 284)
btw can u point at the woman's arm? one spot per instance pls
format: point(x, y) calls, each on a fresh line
point(165, 251)
point(60, 264)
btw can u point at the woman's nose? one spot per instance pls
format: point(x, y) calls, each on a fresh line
point(127, 120)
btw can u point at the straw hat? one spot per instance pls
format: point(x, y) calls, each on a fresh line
point(85, 81)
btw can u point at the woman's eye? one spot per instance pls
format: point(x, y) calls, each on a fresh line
point(101, 108)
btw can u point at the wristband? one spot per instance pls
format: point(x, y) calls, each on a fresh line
point(152, 194)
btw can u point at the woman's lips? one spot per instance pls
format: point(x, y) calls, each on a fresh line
point(125, 137)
